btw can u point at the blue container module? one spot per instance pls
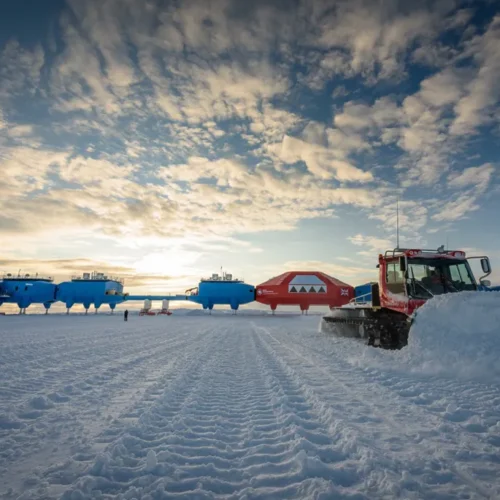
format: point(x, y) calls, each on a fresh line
point(95, 288)
point(26, 290)
point(222, 290)
point(363, 293)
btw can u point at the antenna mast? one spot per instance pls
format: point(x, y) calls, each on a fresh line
point(397, 224)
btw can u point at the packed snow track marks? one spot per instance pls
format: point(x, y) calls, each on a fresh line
point(242, 407)
point(230, 425)
point(68, 382)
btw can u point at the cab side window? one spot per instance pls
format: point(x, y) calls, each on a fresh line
point(460, 277)
point(395, 278)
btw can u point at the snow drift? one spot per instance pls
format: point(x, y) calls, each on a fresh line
point(456, 335)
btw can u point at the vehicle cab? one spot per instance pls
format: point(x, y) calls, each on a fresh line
point(409, 277)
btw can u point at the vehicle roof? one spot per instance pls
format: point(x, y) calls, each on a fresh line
point(432, 254)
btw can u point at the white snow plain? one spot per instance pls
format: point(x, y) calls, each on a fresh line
point(249, 407)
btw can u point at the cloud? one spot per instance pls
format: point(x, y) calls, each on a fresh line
point(98, 20)
point(424, 138)
point(359, 116)
point(78, 90)
point(476, 107)
point(419, 125)
point(270, 124)
point(457, 208)
point(413, 219)
point(185, 89)
point(470, 183)
point(444, 88)
point(20, 131)
point(321, 161)
point(195, 93)
point(373, 243)
point(478, 177)
point(360, 38)
point(64, 269)
point(25, 170)
point(91, 172)
point(97, 194)
point(434, 54)
point(321, 69)
point(378, 35)
point(20, 69)
point(223, 196)
point(232, 197)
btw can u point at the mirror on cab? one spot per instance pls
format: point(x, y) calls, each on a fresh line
point(485, 265)
point(402, 263)
point(486, 283)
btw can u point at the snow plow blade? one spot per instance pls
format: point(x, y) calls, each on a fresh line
point(380, 327)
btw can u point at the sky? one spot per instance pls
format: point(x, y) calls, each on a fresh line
point(162, 140)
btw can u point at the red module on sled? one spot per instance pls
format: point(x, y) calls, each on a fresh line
point(304, 288)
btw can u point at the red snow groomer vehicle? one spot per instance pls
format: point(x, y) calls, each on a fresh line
point(407, 279)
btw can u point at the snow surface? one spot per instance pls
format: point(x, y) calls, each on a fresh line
point(248, 406)
point(456, 335)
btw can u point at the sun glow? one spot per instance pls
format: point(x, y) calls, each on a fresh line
point(173, 263)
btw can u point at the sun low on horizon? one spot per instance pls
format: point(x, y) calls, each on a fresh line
point(161, 141)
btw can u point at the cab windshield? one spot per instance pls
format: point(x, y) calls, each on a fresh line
point(426, 277)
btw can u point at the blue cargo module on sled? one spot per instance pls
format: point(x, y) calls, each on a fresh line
point(91, 288)
point(222, 290)
point(26, 290)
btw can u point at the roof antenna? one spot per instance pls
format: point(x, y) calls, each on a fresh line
point(397, 224)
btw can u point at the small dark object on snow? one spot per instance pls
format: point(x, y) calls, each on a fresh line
point(125, 315)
